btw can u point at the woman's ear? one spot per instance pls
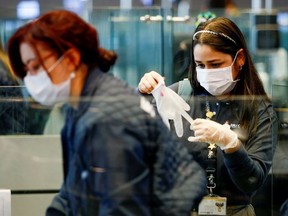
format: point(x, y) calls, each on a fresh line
point(73, 58)
point(241, 58)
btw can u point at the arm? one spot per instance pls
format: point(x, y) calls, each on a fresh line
point(148, 171)
point(255, 155)
point(59, 205)
point(179, 183)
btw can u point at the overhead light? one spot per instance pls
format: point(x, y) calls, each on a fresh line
point(28, 9)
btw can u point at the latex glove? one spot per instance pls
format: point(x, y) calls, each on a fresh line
point(171, 106)
point(149, 81)
point(209, 131)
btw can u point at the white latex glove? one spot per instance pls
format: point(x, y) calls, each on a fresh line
point(209, 131)
point(171, 106)
point(149, 81)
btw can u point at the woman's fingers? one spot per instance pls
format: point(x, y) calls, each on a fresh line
point(149, 81)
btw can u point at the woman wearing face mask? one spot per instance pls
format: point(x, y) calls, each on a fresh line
point(235, 128)
point(118, 156)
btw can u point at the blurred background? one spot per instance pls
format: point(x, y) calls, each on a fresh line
point(147, 35)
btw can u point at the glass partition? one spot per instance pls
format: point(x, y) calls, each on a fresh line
point(158, 39)
point(31, 150)
point(140, 40)
point(31, 161)
point(145, 39)
point(18, 114)
point(280, 163)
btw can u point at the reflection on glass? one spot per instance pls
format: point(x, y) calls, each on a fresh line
point(33, 140)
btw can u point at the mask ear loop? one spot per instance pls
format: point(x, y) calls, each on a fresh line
point(235, 57)
point(234, 62)
point(51, 68)
point(73, 73)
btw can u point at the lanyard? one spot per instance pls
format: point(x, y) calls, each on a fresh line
point(211, 167)
point(211, 157)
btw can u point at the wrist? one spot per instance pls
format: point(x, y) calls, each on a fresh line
point(233, 148)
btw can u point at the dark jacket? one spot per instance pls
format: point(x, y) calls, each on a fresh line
point(120, 159)
point(284, 208)
point(240, 174)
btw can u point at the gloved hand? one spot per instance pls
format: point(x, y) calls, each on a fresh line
point(171, 106)
point(209, 131)
point(149, 81)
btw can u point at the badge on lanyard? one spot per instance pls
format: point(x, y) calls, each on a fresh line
point(212, 205)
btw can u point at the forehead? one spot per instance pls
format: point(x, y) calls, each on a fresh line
point(203, 52)
point(27, 52)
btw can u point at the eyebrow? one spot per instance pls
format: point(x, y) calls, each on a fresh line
point(211, 61)
point(35, 58)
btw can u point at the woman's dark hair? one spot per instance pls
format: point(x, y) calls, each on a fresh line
point(223, 35)
point(61, 30)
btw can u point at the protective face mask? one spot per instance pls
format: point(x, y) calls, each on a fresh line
point(42, 89)
point(217, 81)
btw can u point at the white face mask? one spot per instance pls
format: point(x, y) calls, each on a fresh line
point(42, 89)
point(217, 81)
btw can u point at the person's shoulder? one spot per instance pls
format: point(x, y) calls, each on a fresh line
point(115, 100)
point(174, 86)
point(126, 114)
point(121, 103)
point(266, 109)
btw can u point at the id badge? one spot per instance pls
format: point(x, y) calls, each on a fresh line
point(212, 205)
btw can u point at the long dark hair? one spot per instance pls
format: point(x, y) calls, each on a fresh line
point(60, 30)
point(224, 36)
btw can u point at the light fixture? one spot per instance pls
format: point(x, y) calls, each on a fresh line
point(28, 9)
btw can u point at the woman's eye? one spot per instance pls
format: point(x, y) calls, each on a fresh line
point(200, 66)
point(36, 67)
point(216, 65)
point(32, 67)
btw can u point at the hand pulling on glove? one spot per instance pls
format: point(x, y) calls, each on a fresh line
point(171, 106)
point(209, 131)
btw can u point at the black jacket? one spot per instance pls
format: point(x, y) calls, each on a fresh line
point(240, 174)
point(120, 159)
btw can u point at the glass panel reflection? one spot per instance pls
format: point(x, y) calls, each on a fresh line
point(142, 44)
point(31, 148)
point(30, 134)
